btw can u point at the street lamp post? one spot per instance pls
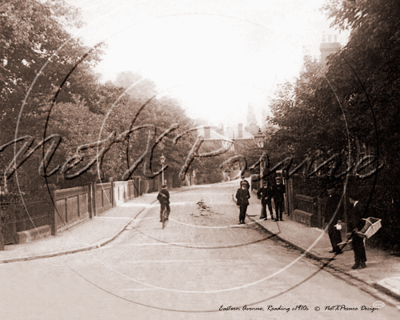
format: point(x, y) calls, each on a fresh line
point(260, 138)
point(162, 159)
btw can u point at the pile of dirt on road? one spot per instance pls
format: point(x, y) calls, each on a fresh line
point(203, 209)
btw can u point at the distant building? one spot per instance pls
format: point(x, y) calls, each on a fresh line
point(215, 136)
point(243, 141)
point(238, 133)
point(233, 138)
point(328, 46)
point(226, 137)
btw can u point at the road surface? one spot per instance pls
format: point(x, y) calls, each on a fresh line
point(203, 265)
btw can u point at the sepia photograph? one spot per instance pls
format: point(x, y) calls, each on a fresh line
point(199, 159)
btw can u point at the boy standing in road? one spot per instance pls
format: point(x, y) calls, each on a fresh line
point(242, 200)
point(163, 198)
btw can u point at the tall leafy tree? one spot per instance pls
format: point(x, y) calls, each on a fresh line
point(49, 72)
point(145, 105)
point(354, 98)
point(370, 68)
point(37, 53)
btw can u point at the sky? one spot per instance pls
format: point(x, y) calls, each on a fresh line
point(216, 56)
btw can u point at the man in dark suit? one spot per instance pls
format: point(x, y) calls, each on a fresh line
point(242, 200)
point(163, 198)
point(265, 193)
point(278, 191)
point(355, 223)
point(331, 208)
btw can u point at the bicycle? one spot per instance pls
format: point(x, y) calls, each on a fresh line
point(164, 217)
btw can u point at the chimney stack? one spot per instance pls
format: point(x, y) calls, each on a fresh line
point(220, 129)
point(207, 132)
point(240, 130)
point(329, 47)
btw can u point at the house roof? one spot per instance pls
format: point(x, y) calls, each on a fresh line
point(213, 135)
point(233, 133)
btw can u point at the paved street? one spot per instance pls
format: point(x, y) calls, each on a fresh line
point(199, 267)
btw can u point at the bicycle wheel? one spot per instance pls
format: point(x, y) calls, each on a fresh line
point(163, 216)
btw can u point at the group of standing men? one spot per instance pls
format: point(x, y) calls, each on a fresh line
point(333, 215)
point(266, 193)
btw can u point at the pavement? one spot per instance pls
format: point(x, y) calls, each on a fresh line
point(381, 277)
point(382, 274)
point(87, 235)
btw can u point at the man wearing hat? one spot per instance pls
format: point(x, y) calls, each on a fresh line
point(278, 191)
point(163, 198)
point(265, 194)
point(356, 223)
point(244, 182)
point(242, 201)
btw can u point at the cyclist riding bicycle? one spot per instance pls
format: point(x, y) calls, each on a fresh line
point(163, 198)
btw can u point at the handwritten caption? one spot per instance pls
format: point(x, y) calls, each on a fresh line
point(301, 307)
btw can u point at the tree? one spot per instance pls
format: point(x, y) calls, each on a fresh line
point(36, 56)
point(251, 116)
point(355, 98)
point(144, 106)
point(33, 36)
point(370, 69)
point(310, 119)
